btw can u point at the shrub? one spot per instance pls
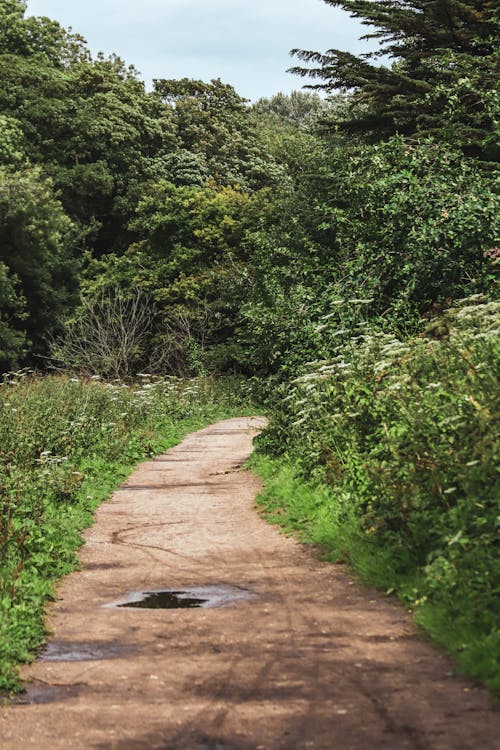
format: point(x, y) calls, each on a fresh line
point(405, 434)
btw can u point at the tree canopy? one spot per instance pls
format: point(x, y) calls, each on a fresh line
point(445, 65)
point(241, 222)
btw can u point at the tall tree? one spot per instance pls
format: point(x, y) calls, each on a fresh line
point(442, 50)
point(89, 122)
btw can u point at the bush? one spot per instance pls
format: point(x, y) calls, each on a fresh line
point(405, 435)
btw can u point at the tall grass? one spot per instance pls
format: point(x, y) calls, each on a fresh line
point(402, 437)
point(65, 443)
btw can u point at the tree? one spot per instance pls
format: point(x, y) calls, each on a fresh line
point(110, 335)
point(435, 44)
point(297, 109)
point(36, 247)
point(89, 122)
point(214, 122)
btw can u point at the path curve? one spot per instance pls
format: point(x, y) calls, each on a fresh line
point(308, 662)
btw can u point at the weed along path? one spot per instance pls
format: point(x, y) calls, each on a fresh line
point(284, 653)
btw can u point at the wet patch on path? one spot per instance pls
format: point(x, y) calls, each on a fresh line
point(43, 694)
point(206, 597)
point(57, 650)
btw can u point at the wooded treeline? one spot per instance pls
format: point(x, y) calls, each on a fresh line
point(218, 233)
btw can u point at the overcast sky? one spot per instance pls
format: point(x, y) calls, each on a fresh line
point(243, 42)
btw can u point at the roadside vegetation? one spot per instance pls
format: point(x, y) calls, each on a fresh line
point(339, 254)
point(385, 456)
point(65, 444)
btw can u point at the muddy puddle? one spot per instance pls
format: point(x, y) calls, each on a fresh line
point(185, 598)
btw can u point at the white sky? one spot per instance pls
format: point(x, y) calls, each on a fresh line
point(243, 42)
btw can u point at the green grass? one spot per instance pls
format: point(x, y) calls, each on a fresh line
point(312, 512)
point(65, 445)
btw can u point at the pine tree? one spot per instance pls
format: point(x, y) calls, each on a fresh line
point(443, 74)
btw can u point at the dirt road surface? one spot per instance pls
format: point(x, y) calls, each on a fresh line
point(293, 657)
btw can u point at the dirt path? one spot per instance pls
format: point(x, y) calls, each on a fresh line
point(302, 660)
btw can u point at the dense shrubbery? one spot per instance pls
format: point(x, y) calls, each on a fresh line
point(64, 444)
point(405, 435)
point(391, 234)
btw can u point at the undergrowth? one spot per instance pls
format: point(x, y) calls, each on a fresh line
point(392, 451)
point(65, 444)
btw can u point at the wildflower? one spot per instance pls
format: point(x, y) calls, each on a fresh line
point(305, 378)
point(381, 366)
point(394, 387)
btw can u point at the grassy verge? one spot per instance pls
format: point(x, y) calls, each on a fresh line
point(311, 511)
point(65, 445)
point(392, 449)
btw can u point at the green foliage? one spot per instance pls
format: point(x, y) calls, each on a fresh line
point(89, 122)
point(404, 228)
point(12, 145)
point(412, 224)
point(212, 121)
point(189, 261)
point(65, 443)
point(297, 109)
point(35, 245)
point(437, 47)
point(405, 435)
point(12, 315)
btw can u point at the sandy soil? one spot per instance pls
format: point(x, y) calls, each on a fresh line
point(303, 659)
